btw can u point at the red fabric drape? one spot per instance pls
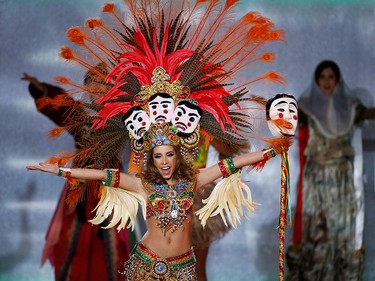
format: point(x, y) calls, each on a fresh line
point(303, 137)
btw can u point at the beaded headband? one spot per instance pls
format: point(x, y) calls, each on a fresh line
point(160, 134)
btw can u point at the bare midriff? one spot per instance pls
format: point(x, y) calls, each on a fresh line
point(168, 244)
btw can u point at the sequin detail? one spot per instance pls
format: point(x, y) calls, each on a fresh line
point(146, 265)
point(170, 204)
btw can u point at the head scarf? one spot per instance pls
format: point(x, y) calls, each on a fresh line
point(334, 115)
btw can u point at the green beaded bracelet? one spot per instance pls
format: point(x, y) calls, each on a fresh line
point(231, 166)
point(113, 177)
point(268, 153)
point(64, 172)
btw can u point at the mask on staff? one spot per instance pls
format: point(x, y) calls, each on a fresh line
point(282, 115)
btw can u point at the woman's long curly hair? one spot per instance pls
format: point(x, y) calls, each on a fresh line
point(183, 170)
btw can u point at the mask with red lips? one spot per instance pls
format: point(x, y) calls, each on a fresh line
point(282, 115)
point(137, 122)
point(161, 107)
point(186, 117)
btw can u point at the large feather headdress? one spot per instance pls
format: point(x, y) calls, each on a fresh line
point(201, 49)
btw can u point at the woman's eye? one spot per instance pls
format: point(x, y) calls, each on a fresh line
point(281, 109)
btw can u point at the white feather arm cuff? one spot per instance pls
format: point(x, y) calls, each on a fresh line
point(227, 199)
point(121, 204)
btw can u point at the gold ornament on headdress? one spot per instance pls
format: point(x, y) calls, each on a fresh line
point(160, 134)
point(161, 85)
point(164, 133)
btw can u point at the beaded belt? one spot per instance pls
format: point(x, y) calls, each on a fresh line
point(162, 265)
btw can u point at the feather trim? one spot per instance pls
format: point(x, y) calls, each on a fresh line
point(121, 205)
point(227, 199)
point(56, 132)
point(280, 145)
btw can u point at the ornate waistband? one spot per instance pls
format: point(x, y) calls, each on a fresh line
point(162, 264)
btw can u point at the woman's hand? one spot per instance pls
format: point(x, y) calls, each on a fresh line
point(34, 81)
point(45, 167)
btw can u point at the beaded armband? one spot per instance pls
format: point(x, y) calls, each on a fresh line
point(268, 153)
point(227, 167)
point(113, 177)
point(64, 172)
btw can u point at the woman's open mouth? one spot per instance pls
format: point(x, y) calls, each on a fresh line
point(165, 170)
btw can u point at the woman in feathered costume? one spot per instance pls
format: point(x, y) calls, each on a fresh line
point(170, 64)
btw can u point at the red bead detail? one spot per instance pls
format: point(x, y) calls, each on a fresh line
point(281, 115)
point(117, 178)
point(223, 170)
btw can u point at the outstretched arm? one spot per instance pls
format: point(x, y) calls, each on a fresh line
point(212, 173)
point(128, 182)
point(39, 87)
point(366, 113)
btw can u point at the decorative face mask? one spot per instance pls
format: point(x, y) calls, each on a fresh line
point(186, 118)
point(161, 108)
point(137, 123)
point(282, 115)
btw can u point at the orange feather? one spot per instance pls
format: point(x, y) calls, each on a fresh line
point(56, 132)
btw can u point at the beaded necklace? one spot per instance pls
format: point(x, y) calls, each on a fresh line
point(170, 204)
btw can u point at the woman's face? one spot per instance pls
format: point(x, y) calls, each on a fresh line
point(165, 160)
point(327, 81)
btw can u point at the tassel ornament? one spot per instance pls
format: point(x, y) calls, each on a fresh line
point(121, 205)
point(227, 199)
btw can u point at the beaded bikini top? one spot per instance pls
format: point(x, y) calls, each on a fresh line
point(170, 204)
